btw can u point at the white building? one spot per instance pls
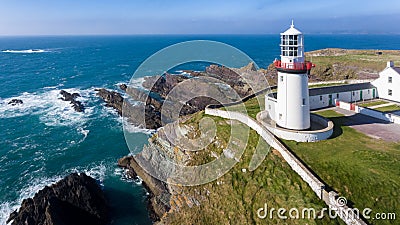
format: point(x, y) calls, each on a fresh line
point(327, 96)
point(388, 83)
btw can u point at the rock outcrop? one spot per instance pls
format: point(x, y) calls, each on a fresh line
point(217, 84)
point(76, 199)
point(112, 98)
point(14, 102)
point(76, 105)
point(162, 84)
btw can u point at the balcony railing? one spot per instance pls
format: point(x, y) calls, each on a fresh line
point(306, 66)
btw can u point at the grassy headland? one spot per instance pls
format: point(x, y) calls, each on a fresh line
point(236, 196)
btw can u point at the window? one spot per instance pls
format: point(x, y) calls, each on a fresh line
point(281, 78)
point(390, 79)
point(369, 91)
point(304, 101)
point(269, 107)
point(289, 45)
point(354, 93)
point(280, 116)
point(320, 98)
point(337, 95)
point(390, 92)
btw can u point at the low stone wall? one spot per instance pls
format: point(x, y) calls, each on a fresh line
point(330, 198)
point(316, 185)
point(300, 136)
point(388, 117)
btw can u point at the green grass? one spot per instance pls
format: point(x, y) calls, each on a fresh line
point(251, 107)
point(389, 108)
point(364, 170)
point(373, 103)
point(236, 196)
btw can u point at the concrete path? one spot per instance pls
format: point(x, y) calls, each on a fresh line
point(370, 126)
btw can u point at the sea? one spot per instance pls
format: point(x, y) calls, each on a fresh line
point(44, 139)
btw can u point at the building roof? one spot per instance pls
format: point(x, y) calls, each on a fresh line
point(339, 89)
point(397, 69)
point(291, 31)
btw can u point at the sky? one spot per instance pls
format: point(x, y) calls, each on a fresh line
point(107, 17)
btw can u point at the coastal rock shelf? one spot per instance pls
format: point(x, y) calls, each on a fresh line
point(76, 199)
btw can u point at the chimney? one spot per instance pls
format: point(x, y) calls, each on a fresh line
point(390, 64)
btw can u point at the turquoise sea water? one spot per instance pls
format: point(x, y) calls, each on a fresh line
point(44, 139)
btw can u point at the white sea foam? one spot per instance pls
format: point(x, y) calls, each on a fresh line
point(84, 132)
point(5, 209)
point(130, 128)
point(137, 82)
point(26, 51)
point(51, 109)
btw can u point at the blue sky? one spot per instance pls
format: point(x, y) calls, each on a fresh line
point(59, 17)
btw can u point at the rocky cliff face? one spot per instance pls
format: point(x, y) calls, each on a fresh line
point(148, 113)
point(76, 199)
point(165, 198)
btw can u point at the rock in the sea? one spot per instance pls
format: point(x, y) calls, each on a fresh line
point(113, 99)
point(123, 87)
point(15, 102)
point(76, 105)
point(76, 199)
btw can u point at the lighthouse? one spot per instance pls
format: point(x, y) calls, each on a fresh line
point(293, 106)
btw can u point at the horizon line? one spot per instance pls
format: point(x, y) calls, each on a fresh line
point(196, 34)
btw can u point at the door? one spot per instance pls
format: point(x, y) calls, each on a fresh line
point(373, 93)
point(361, 97)
point(330, 100)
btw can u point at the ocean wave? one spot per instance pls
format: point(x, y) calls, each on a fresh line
point(123, 175)
point(97, 172)
point(26, 51)
point(51, 109)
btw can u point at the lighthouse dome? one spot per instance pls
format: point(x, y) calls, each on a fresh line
point(291, 31)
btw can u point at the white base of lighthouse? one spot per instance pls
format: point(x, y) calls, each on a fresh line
point(293, 106)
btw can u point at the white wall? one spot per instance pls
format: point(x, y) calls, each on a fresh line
point(317, 103)
point(291, 112)
point(383, 85)
point(270, 107)
point(388, 117)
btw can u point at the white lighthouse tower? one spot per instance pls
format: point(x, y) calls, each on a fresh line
point(293, 107)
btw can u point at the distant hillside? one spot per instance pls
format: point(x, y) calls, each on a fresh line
point(343, 64)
